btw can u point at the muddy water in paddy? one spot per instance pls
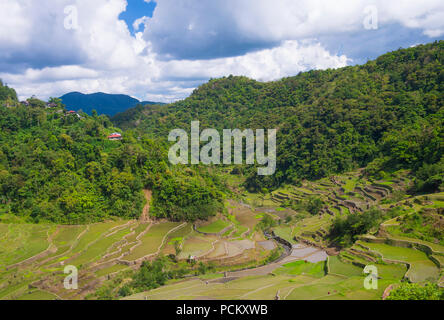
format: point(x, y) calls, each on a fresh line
point(298, 252)
point(267, 245)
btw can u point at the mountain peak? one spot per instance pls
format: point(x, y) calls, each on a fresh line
point(103, 103)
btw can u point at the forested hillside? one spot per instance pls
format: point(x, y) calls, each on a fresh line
point(60, 167)
point(7, 95)
point(386, 114)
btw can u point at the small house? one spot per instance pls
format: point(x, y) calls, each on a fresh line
point(73, 113)
point(115, 136)
point(51, 105)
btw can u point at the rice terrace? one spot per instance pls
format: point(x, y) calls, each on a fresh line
point(291, 261)
point(221, 156)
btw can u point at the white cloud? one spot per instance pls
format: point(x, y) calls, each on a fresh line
point(139, 22)
point(252, 24)
point(55, 74)
point(425, 15)
point(185, 43)
point(270, 64)
point(14, 27)
point(434, 33)
point(169, 80)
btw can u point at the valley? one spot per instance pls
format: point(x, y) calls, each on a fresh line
point(33, 257)
point(358, 185)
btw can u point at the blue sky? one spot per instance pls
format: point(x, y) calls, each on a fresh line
point(49, 48)
point(137, 9)
point(361, 47)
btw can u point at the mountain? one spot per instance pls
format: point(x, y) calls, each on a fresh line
point(384, 116)
point(103, 103)
point(55, 167)
point(387, 114)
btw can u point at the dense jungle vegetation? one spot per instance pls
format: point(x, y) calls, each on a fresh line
point(59, 167)
point(385, 115)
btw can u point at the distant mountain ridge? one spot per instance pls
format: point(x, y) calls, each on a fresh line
point(103, 103)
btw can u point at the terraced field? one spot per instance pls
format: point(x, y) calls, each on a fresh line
point(20, 243)
point(298, 280)
point(301, 280)
point(81, 246)
point(421, 268)
point(152, 241)
point(197, 246)
point(215, 227)
point(342, 277)
point(33, 257)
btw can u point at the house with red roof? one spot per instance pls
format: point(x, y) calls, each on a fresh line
point(115, 136)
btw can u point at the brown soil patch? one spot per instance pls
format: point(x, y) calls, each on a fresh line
point(145, 217)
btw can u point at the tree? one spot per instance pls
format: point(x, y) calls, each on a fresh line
point(267, 222)
point(314, 205)
point(6, 92)
point(56, 101)
point(414, 291)
point(178, 247)
point(387, 113)
point(344, 231)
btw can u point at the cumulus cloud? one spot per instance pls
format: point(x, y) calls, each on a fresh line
point(33, 34)
point(183, 29)
point(289, 58)
point(55, 74)
point(186, 42)
point(171, 80)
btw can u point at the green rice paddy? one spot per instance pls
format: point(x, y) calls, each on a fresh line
point(215, 227)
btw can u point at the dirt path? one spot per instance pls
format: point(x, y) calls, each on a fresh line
point(145, 217)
